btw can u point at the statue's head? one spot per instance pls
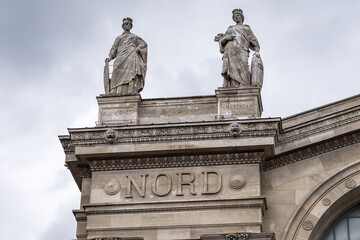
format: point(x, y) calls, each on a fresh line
point(127, 23)
point(238, 15)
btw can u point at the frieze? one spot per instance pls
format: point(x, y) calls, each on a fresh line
point(176, 161)
point(330, 123)
point(131, 134)
point(147, 134)
point(311, 151)
point(173, 209)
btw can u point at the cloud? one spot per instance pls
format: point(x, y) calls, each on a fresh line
point(64, 225)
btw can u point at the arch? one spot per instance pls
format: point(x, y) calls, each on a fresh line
point(324, 205)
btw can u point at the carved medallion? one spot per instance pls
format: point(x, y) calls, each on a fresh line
point(231, 236)
point(237, 182)
point(326, 202)
point(308, 225)
point(243, 236)
point(350, 183)
point(237, 236)
point(112, 187)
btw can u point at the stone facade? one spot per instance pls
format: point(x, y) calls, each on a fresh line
point(210, 167)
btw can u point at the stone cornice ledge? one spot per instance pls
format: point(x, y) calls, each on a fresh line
point(319, 125)
point(173, 206)
point(175, 161)
point(173, 132)
point(311, 151)
point(206, 130)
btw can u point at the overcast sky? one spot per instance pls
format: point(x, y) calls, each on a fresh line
point(51, 64)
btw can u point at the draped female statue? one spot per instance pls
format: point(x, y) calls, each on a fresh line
point(235, 45)
point(129, 70)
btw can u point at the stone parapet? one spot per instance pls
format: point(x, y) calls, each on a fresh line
point(228, 103)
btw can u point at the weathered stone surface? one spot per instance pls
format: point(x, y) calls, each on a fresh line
point(235, 45)
point(130, 65)
point(220, 173)
point(115, 110)
point(176, 184)
point(229, 103)
point(236, 103)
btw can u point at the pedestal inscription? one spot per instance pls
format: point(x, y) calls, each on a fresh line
point(239, 103)
point(116, 109)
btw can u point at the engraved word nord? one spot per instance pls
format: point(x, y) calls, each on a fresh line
point(180, 183)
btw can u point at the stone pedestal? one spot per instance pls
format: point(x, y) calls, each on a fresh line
point(118, 109)
point(235, 103)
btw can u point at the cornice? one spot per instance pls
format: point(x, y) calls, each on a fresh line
point(173, 209)
point(171, 132)
point(322, 125)
point(214, 130)
point(311, 151)
point(176, 161)
point(202, 131)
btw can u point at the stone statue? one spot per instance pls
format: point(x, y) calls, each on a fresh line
point(129, 70)
point(235, 45)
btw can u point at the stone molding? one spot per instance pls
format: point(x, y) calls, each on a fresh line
point(67, 144)
point(173, 209)
point(317, 127)
point(311, 151)
point(176, 161)
point(172, 132)
point(213, 130)
point(178, 132)
point(204, 131)
point(81, 219)
point(80, 215)
point(221, 159)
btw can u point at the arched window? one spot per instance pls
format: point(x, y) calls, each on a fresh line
point(347, 227)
